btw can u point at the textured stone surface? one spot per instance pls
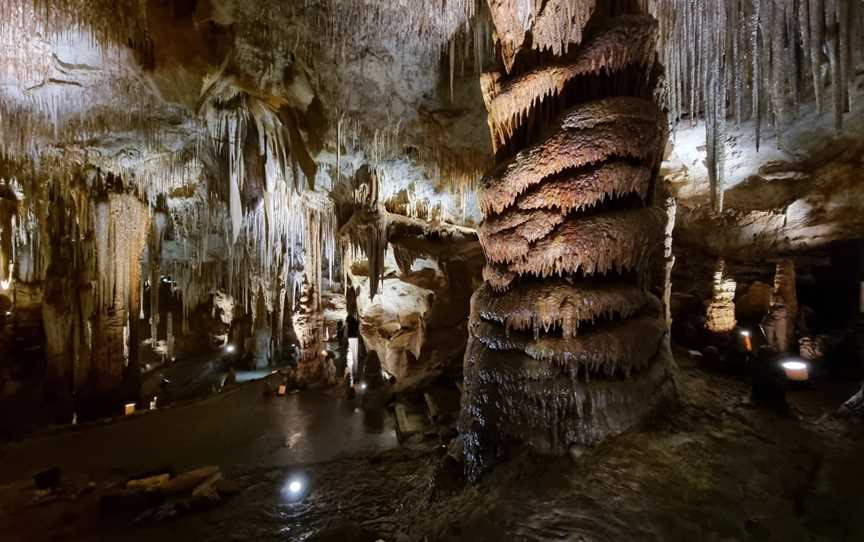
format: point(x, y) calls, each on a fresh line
point(567, 346)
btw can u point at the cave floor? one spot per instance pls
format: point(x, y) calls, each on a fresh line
point(239, 426)
point(716, 469)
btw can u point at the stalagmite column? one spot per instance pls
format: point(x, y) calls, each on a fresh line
point(668, 258)
point(568, 340)
point(720, 315)
point(262, 334)
point(8, 211)
point(779, 324)
point(309, 326)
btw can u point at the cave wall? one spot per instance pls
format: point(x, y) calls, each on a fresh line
point(417, 323)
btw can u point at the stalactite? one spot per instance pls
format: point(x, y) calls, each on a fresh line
point(415, 26)
point(121, 230)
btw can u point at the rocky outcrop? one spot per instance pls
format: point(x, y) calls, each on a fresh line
point(791, 196)
point(417, 323)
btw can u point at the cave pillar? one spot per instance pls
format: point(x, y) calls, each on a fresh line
point(568, 337)
point(58, 319)
point(779, 324)
point(111, 373)
point(309, 327)
point(668, 258)
point(720, 313)
point(262, 334)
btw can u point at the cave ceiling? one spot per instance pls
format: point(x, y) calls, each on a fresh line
point(146, 93)
point(239, 97)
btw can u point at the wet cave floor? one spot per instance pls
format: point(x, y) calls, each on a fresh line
point(715, 469)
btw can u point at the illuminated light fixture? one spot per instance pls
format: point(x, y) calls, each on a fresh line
point(8, 313)
point(230, 348)
point(5, 284)
point(363, 386)
point(748, 344)
point(323, 352)
point(129, 408)
point(796, 371)
point(153, 403)
point(295, 489)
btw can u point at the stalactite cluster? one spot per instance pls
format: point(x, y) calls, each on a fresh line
point(568, 338)
point(756, 60)
point(408, 25)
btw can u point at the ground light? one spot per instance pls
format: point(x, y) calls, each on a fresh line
point(295, 488)
point(363, 386)
point(230, 348)
point(796, 370)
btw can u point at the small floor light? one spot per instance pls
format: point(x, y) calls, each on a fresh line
point(129, 408)
point(294, 489)
point(748, 344)
point(796, 371)
point(230, 348)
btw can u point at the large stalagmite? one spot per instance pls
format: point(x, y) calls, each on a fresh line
point(568, 337)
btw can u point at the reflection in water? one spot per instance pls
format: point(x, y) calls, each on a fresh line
point(240, 427)
point(246, 376)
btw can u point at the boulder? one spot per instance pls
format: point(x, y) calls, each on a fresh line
point(189, 481)
point(149, 483)
point(229, 488)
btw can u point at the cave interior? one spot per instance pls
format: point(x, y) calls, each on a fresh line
point(464, 270)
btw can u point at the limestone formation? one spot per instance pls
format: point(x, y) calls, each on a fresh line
point(568, 339)
point(779, 324)
point(720, 314)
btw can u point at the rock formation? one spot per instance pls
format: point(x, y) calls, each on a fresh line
point(568, 339)
point(779, 324)
point(720, 315)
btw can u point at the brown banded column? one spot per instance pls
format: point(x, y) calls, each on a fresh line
point(568, 339)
